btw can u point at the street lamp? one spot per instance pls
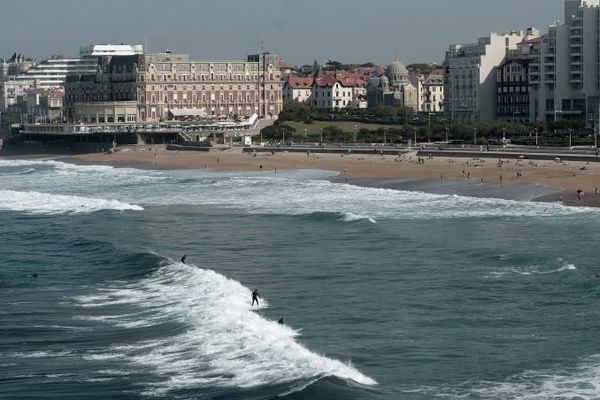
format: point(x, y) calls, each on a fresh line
point(321, 136)
point(474, 136)
point(355, 132)
point(570, 138)
point(536, 137)
point(415, 132)
point(447, 129)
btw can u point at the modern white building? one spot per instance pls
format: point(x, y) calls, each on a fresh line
point(110, 50)
point(470, 78)
point(52, 73)
point(564, 70)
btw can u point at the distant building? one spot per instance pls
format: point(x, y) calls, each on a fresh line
point(12, 90)
point(166, 86)
point(393, 88)
point(286, 70)
point(433, 92)
point(52, 73)
point(298, 88)
point(512, 83)
point(564, 71)
point(470, 80)
point(43, 105)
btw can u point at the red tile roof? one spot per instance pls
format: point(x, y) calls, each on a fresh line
point(300, 82)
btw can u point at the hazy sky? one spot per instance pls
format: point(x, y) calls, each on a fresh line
point(298, 30)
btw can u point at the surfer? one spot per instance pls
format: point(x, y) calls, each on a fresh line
point(255, 297)
point(183, 259)
point(34, 275)
point(280, 322)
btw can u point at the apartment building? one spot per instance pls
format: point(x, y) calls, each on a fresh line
point(433, 92)
point(564, 69)
point(470, 80)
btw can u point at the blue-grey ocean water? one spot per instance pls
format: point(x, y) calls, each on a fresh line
point(385, 294)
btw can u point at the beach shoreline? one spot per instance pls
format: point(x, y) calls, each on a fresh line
point(526, 180)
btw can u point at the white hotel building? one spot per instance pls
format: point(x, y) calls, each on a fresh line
point(470, 78)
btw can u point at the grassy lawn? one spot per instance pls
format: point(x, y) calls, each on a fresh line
point(346, 126)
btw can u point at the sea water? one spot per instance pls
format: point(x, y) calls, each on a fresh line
point(384, 294)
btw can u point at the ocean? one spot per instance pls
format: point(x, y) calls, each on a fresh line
point(385, 294)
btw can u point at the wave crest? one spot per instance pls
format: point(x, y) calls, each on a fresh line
point(225, 343)
point(47, 203)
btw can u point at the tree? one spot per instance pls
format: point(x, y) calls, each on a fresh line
point(335, 65)
point(277, 131)
point(295, 111)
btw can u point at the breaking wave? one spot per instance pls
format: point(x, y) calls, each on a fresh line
point(225, 343)
point(287, 193)
point(46, 203)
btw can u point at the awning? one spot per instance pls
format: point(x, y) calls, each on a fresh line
point(187, 112)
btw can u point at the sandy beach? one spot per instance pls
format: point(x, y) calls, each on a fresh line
point(512, 179)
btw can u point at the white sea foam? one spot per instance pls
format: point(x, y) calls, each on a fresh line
point(41, 354)
point(46, 203)
point(349, 217)
point(564, 266)
point(578, 383)
point(289, 193)
point(225, 344)
point(582, 383)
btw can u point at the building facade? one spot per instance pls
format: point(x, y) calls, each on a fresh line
point(298, 88)
point(433, 92)
point(470, 79)
point(512, 83)
point(12, 90)
point(565, 70)
point(166, 85)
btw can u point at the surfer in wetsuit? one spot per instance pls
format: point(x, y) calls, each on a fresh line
point(183, 259)
point(280, 322)
point(255, 297)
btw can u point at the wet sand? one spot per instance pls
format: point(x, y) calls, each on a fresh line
point(509, 179)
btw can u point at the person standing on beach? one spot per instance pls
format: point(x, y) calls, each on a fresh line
point(580, 196)
point(501, 184)
point(597, 193)
point(255, 297)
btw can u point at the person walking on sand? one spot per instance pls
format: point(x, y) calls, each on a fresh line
point(597, 193)
point(255, 297)
point(580, 196)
